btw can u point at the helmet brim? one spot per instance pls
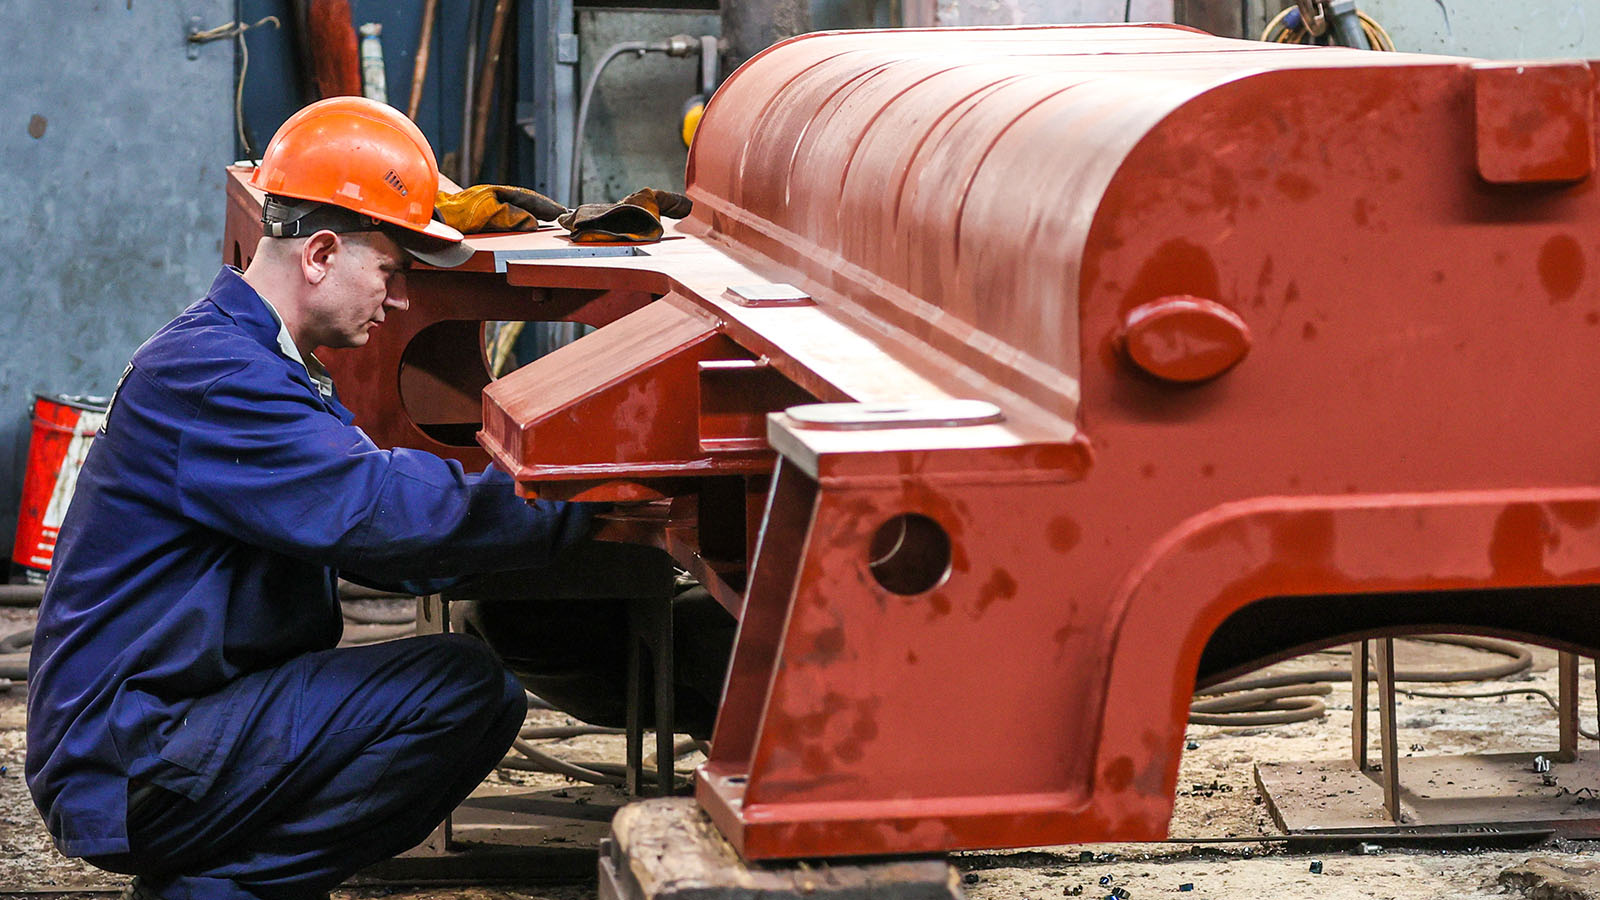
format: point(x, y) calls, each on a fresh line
point(438, 245)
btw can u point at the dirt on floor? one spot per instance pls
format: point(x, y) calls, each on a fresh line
point(1218, 799)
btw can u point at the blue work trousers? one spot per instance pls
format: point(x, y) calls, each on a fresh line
point(383, 741)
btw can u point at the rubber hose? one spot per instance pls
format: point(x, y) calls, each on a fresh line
point(349, 590)
point(16, 641)
point(539, 761)
point(1279, 32)
point(1273, 710)
point(21, 595)
point(1518, 659)
point(374, 634)
point(14, 666)
point(558, 732)
point(379, 617)
point(29, 595)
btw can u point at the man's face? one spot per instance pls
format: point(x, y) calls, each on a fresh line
point(366, 278)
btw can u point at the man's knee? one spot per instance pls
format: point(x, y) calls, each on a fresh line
point(471, 677)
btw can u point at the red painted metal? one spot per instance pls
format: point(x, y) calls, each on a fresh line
point(1361, 281)
point(1184, 339)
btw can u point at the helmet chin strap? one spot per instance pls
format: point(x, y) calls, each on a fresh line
point(287, 218)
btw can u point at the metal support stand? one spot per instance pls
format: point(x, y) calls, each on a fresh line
point(1505, 790)
point(1388, 766)
point(503, 832)
point(1567, 706)
point(650, 633)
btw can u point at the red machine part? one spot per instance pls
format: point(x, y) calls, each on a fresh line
point(1270, 347)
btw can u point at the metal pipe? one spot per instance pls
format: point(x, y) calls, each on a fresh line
point(485, 93)
point(615, 50)
point(677, 45)
point(419, 70)
point(1345, 24)
point(464, 162)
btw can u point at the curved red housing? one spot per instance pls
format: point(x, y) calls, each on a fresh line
point(984, 632)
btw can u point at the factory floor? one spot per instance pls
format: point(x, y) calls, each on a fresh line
point(1217, 798)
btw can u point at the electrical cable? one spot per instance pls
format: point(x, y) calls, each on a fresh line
point(574, 192)
point(236, 30)
point(1513, 692)
point(1288, 28)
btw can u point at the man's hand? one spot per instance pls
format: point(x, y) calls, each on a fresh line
point(495, 207)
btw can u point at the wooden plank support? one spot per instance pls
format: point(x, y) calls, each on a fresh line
point(667, 849)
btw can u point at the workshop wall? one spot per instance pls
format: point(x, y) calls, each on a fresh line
point(1491, 30)
point(112, 146)
point(1040, 12)
point(633, 136)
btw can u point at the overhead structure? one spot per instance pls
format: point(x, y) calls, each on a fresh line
point(1009, 383)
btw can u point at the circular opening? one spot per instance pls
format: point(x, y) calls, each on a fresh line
point(910, 554)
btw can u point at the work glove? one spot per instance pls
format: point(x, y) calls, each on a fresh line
point(495, 207)
point(636, 218)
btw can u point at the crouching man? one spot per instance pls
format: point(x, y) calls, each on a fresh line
point(190, 721)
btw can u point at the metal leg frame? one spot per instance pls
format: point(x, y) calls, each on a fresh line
point(650, 633)
point(1381, 659)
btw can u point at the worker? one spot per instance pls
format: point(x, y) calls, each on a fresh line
point(190, 721)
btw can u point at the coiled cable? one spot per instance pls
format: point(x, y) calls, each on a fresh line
point(1296, 696)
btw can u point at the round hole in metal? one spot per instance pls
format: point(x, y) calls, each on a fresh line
point(910, 554)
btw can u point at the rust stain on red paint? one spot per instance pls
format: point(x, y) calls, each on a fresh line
point(1119, 774)
point(1561, 267)
point(1063, 534)
point(1521, 535)
point(1578, 514)
point(1304, 538)
point(1000, 586)
point(1177, 267)
point(827, 645)
point(1296, 187)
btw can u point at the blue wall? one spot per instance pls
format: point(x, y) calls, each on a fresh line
point(112, 145)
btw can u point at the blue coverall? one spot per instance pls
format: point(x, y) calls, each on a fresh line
point(185, 647)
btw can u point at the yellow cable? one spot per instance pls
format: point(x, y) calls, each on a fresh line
point(1277, 33)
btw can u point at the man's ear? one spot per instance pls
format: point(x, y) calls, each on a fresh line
point(316, 256)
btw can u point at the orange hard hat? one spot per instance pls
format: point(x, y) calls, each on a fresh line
point(363, 156)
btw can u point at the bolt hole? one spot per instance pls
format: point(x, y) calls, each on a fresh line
point(910, 554)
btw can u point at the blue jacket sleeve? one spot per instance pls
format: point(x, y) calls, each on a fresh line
point(264, 462)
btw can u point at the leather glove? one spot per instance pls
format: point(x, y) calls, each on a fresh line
point(495, 207)
point(637, 218)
